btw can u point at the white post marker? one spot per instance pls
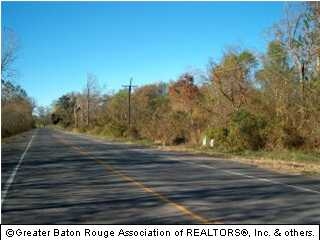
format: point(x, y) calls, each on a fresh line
point(15, 170)
point(204, 141)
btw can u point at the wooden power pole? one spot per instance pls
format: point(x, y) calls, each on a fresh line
point(130, 86)
point(88, 102)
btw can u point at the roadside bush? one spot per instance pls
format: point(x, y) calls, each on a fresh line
point(114, 129)
point(291, 138)
point(16, 117)
point(95, 130)
point(132, 133)
point(16, 109)
point(285, 136)
point(82, 129)
point(178, 128)
point(220, 136)
point(249, 129)
point(245, 131)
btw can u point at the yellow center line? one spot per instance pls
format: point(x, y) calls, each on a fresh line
point(145, 188)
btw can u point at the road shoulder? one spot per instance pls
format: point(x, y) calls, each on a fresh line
point(287, 166)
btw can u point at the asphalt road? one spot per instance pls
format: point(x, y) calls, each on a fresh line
point(50, 177)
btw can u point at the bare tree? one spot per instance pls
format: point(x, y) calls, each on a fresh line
point(297, 34)
point(9, 53)
point(91, 91)
point(43, 116)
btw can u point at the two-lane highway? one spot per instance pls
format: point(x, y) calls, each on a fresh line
point(50, 177)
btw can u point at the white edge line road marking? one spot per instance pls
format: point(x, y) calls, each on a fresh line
point(15, 170)
point(257, 178)
point(304, 189)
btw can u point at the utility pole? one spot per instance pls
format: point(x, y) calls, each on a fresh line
point(130, 86)
point(88, 99)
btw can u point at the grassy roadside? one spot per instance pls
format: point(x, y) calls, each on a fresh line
point(12, 138)
point(283, 161)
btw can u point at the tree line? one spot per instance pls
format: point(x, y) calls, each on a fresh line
point(246, 101)
point(16, 106)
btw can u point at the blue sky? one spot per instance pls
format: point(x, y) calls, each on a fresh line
point(61, 42)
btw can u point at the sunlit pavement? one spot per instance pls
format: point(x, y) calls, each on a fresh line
point(66, 178)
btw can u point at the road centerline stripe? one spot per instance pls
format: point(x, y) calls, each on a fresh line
point(15, 170)
point(178, 206)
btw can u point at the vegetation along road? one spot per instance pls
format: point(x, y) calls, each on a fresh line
point(51, 177)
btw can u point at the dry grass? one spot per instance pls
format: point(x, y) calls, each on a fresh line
point(289, 162)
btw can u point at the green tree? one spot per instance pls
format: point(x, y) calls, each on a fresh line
point(63, 112)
